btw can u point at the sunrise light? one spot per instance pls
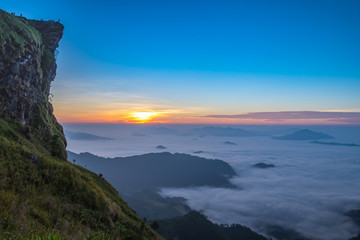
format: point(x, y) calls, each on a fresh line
point(143, 117)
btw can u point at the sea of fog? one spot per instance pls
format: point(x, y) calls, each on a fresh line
point(309, 189)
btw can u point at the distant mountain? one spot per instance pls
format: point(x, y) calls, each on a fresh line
point(154, 170)
point(195, 226)
point(197, 152)
point(263, 165)
point(336, 144)
point(138, 178)
point(160, 147)
point(84, 136)
point(305, 134)
point(221, 132)
point(229, 143)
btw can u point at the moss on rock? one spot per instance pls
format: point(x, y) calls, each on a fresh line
point(27, 67)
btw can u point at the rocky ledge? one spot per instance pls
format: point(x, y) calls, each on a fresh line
point(27, 68)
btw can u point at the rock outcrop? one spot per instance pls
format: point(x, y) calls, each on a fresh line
point(42, 197)
point(27, 68)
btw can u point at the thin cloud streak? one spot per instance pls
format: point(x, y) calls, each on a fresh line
point(333, 117)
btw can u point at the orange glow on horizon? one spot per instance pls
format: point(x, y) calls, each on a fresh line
point(143, 114)
point(158, 118)
point(142, 117)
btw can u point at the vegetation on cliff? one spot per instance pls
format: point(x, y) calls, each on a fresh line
point(16, 35)
point(27, 67)
point(41, 196)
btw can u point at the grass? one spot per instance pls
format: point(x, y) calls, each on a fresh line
point(18, 38)
point(47, 130)
point(40, 195)
point(16, 35)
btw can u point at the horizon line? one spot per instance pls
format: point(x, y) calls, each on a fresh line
point(216, 124)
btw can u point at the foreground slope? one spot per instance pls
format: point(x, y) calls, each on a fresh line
point(41, 194)
point(195, 226)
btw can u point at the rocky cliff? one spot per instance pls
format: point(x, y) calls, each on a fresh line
point(40, 196)
point(27, 68)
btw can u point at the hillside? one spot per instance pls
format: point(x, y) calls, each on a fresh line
point(139, 178)
point(41, 194)
point(155, 170)
point(195, 226)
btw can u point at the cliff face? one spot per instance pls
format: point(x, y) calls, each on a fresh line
point(40, 196)
point(27, 68)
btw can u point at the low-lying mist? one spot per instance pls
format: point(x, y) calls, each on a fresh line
point(308, 190)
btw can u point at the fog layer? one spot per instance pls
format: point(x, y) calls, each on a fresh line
point(309, 189)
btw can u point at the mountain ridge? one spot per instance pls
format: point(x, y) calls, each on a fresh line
point(305, 134)
point(158, 168)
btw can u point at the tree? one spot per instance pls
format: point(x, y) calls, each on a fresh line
point(154, 225)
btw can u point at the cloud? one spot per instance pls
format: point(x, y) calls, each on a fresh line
point(309, 190)
point(330, 117)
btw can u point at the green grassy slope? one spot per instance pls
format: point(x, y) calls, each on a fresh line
point(19, 39)
point(15, 35)
point(40, 195)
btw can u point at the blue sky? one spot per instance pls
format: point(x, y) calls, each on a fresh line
point(192, 58)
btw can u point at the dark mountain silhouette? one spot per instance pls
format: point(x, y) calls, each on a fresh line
point(199, 152)
point(263, 165)
point(229, 143)
point(138, 178)
point(336, 144)
point(305, 134)
point(84, 136)
point(195, 226)
point(160, 147)
point(154, 170)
